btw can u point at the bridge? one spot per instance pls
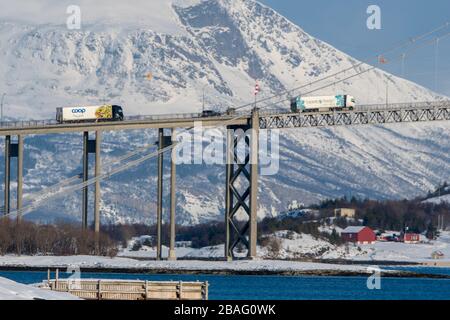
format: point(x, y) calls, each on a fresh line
point(236, 198)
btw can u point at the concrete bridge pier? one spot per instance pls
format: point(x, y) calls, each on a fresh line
point(241, 195)
point(163, 142)
point(173, 200)
point(91, 146)
point(159, 203)
point(98, 172)
point(19, 176)
point(85, 177)
point(6, 204)
point(13, 150)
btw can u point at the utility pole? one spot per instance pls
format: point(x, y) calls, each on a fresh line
point(257, 90)
point(203, 99)
point(3, 100)
point(436, 62)
point(403, 64)
point(387, 92)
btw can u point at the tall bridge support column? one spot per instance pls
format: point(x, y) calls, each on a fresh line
point(254, 177)
point(85, 177)
point(159, 195)
point(173, 200)
point(13, 150)
point(163, 142)
point(98, 172)
point(229, 203)
point(242, 187)
point(93, 147)
point(19, 176)
point(6, 207)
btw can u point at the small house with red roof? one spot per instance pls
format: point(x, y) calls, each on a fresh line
point(410, 237)
point(359, 235)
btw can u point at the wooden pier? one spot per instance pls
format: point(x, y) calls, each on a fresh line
point(130, 290)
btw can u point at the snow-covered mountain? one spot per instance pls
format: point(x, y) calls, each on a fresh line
point(160, 56)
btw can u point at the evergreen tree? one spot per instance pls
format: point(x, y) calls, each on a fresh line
point(431, 231)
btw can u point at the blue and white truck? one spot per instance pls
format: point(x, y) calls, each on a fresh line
point(323, 103)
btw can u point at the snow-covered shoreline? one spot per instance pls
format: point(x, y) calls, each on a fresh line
point(297, 254)
point(11, 290)
point(239, 267)
point(128, 264)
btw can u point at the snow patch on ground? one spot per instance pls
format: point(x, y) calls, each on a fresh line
point(439, 200)
point(10, 290)
point(397, 251)
point(180, 265)
point(292, 245)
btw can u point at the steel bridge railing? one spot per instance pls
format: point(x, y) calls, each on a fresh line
point(42, 123)
point(374, 114)
point(162, 117)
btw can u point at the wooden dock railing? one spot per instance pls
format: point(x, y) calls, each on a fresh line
point(131, 290)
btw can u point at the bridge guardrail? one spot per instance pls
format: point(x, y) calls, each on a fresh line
point(414, 105)
point(40, 123)
point(27, 123)
point(372, 107)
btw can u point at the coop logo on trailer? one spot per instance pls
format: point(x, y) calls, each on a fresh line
point(78, 112)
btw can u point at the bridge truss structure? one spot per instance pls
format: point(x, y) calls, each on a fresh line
point(376, 114)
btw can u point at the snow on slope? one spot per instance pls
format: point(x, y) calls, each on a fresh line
point(220, 46)
point(439, 200)
point(10, 290)
point(156, 14)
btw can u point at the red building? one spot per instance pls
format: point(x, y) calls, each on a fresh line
point(360, 235)
point(411, 238)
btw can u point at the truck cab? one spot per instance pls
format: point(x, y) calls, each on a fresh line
point(117, 113)
point(210, 113)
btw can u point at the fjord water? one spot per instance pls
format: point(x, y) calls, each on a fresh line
point(224, 287)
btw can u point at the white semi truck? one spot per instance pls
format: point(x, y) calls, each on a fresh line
point(89, 114)
point(323, 103)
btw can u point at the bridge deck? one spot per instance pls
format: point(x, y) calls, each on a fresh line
point(376, 114)
point(132, 123)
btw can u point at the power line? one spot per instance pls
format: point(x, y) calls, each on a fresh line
point(359, 73)
point(76, 177)
point(402, 44)
point(436, 60)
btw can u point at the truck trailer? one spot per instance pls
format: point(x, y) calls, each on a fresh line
point(323, 103)
point(89, 114)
